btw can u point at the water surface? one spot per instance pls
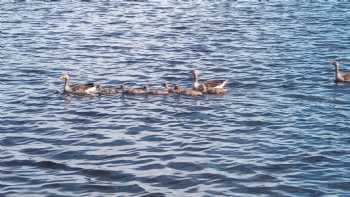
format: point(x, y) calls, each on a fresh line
point(281, 130)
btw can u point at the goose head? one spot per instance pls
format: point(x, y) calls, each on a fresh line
point(65, 77)
point(145, 88)
point(166, 84)
point(336, 64)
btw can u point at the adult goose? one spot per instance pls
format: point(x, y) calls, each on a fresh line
point(89, 88)
point(203, 86)
point(340, 76)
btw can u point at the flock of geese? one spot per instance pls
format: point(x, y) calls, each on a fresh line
point(199, 87)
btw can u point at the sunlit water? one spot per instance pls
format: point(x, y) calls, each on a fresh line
point(281, 130)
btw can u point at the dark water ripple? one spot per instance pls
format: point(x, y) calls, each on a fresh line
point(282, 129)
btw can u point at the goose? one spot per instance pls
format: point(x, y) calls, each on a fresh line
point(142, 90)
point(89, 88)
point(205, 85)
point(109, 90)
point(216, 91)
point(170, 88)
point(157, 91)
point(188, 92)
point(340, 76)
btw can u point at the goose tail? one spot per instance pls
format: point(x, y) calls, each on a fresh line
point(223, 84)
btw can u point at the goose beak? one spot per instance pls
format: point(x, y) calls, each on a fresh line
point(64, 77)
point(333, 62)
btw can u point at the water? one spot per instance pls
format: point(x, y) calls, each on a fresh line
point(281, 130)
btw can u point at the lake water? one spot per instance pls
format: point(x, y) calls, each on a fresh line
point(281, 130)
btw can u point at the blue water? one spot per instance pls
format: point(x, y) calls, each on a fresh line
point(281, 130)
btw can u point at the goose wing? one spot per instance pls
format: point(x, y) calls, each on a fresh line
point(82, 87)
point(346, 76)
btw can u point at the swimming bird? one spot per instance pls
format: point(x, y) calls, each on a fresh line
point(157, 91)
point(170, 88)
point(89, 88)
point(142, 90)
point(186, 91)
point(216, 91)
point(340, 76)
point(203, 86)
point(109, 90)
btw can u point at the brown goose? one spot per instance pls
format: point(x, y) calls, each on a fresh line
point(157, 91)
point(89, 88)
point(216, 91)
point(203, 86)
point(340, 76)
point(142, 90)
point(188, 92)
